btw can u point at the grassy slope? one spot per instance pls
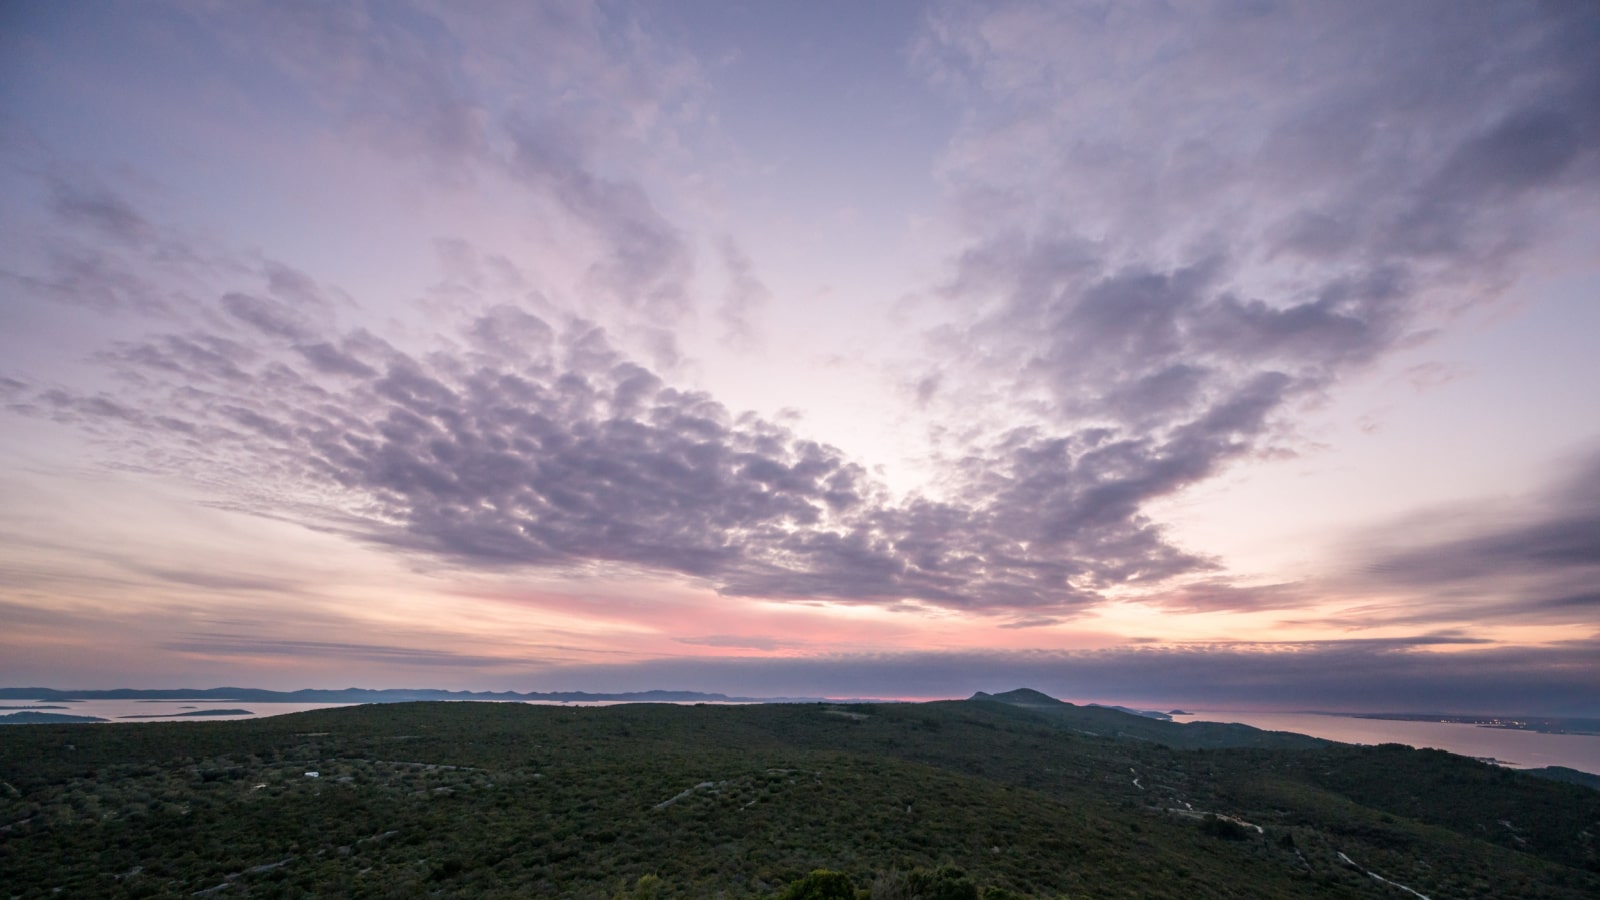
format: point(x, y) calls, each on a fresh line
point(563, 801)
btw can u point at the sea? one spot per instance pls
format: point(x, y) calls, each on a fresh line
point(1505, 746)
point(215, 710)
point(160, 710)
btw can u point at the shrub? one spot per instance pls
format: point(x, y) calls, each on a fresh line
point(821, 884)
point(648, 887)
point(943, 883)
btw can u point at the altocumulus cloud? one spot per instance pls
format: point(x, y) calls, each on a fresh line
point(532, 445)
point(1185, 223)
point(1176, 225)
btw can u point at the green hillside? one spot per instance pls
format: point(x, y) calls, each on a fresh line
point(950, 799)
point(1108, 722)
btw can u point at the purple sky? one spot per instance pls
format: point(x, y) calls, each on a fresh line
point(1231, 354)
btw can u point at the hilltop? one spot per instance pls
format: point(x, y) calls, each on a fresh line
point(1116, 722)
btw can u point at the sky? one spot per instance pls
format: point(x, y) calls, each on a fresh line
point(1220, 354)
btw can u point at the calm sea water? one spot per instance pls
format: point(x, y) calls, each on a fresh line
point(1522, 749)
point(163, 710)
point(171, 710)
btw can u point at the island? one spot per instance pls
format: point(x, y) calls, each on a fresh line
point(198, 712)
point(1542, 724)
point(29, 717)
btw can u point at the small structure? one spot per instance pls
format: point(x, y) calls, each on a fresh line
point(313, 774)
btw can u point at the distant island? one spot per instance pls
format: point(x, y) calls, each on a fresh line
point(42, 718)
point(394, 695)
point(1147, 713)
point(1541, 724)
point(198, 712)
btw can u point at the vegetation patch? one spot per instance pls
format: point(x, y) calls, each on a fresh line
point(949, 800)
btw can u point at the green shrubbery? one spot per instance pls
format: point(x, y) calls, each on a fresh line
point(820, 884)
point(942, 883)
point(502, 800)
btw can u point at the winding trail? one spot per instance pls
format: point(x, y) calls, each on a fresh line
point(686, 792)
point(1375, 876)
point(1192, 813)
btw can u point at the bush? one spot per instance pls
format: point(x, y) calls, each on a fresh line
point(821, 884)
point(943, 883)
point(648, 887)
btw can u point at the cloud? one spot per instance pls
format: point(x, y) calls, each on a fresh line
point(330, 360)
point(93, 247)
point(1221, 595)
point(1185, 224)
point(268, 316)
point(207, 358)
point(24, 617)
point(1178, 226)
point(554, 104)
point(80, 274)
point(216, 581)
point(1559, 532)
point(744, 299)
point(544, 446)
point(530, 440)
point(647, 260)
point(91, 206)
point(1535, 560)
point(1031, 622)
point(395, 74)
point(1137, 274)
point(540, 444)
point(737, 642)
point(214, 645)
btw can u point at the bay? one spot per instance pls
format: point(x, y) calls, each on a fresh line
point(1508, 747)
point(167, 710)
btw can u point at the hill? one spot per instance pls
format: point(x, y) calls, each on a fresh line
point(510, 800)
point(29, 717)
point(1562, 773)
point(1115, 722)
